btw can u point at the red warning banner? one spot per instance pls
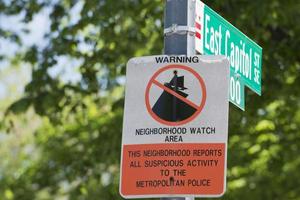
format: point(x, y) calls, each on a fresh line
point(177, 169)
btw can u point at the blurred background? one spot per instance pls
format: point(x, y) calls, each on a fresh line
point(62, 65)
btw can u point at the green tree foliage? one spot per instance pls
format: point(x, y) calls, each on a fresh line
point(79, 142)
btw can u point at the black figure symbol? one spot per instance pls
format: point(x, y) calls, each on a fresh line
point(170, 108)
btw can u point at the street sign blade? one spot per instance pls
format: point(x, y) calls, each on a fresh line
point(216, 36)
point(236, 90)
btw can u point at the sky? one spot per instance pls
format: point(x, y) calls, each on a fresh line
point(13, 79)
point(12, 76)
point(66, 69)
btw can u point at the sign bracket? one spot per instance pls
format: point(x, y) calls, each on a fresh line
point(181, 30)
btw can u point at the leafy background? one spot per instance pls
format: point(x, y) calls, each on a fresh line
point(62, 96)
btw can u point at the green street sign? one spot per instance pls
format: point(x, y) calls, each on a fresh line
point(216, 36)
point(236, 90)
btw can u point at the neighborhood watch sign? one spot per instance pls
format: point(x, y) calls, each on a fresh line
point(216, 36)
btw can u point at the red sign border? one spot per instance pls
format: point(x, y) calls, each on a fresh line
point(150, 83)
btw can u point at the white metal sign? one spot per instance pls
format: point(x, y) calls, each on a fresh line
point(175, 127)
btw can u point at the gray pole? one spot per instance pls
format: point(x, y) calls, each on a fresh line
point(179, 27)
point(179, 35)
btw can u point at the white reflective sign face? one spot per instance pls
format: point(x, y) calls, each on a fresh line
point(175, 126)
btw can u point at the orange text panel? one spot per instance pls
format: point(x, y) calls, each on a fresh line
point(161, 169)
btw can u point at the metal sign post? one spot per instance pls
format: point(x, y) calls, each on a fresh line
point(179, 29)
point(179, 35)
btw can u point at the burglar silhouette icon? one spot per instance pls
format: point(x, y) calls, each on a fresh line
point(170, 108)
